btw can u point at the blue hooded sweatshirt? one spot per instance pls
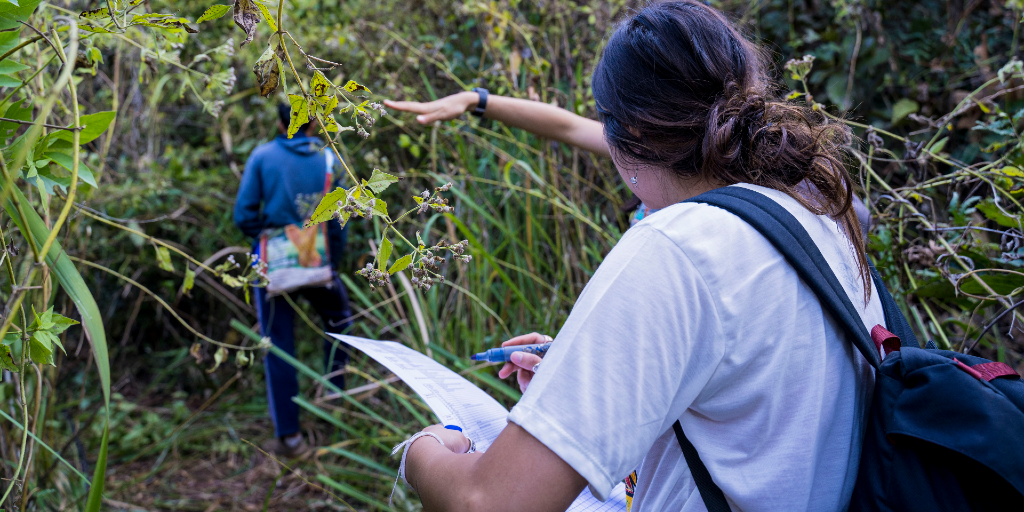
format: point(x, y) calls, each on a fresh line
point(281, 177)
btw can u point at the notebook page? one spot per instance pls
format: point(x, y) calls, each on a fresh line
point(457, 401)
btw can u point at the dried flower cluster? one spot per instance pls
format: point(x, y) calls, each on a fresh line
point(376, 277)
point(434, 201)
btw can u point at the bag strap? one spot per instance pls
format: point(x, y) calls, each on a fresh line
point(712, 495)
point(790, 238)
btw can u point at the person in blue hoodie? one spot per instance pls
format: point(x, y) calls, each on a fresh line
point(283, 178)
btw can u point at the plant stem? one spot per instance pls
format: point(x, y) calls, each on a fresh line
point(75, 148)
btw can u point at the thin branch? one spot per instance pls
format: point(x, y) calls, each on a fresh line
point(50, 126)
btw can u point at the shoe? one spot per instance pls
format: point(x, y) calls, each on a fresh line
point(279, 448)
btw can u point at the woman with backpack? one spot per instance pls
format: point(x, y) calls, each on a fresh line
point(694, 322)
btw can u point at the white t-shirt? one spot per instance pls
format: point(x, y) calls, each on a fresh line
point(695, 316)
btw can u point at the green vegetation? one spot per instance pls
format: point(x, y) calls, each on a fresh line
point(124, 134)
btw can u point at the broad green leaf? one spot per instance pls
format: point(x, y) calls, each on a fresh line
point(214, 12)
point(9, 81)
point(330, 124)
point(1001, 283)
point(300, 113)
point(903, 108)
point(61, 323)
point(66, 161)
point(163, 258)
point(319, 86)
point(190, 281)
point(331, 104)
point(12, 15)
point(266, 15)
point(384, 254)
point(328, 206)
point(937, 147)
point(15, 111)
point(402, 264)
point(9, 67)
point(93, 125)
point(1014, 172)
point(41, 347)
point(379, 181)
point(993, 213)
point(6, 358)
point(8, 40)
point(352, 86)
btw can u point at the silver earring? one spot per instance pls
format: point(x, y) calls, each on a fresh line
point(633, 179)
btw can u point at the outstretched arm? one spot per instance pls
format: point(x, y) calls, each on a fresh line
point(535, 117)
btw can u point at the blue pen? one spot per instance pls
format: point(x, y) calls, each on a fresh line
point(503, 354)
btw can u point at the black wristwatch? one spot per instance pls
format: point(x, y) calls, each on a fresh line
point(481, 106)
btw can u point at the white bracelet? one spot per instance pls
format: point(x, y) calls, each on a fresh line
point(401, 467)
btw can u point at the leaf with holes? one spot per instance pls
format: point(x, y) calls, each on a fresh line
point(246, 16)
point(300, 113)
point(352, 86)
point(268, 71)
point(319, 86)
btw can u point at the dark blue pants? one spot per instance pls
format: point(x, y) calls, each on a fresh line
point(277, 320)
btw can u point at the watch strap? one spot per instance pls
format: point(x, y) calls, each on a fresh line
point(481, 106)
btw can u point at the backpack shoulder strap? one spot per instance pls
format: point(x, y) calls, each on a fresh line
point(895, 321)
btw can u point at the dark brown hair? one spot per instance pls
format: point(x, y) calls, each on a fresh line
point(679, 87)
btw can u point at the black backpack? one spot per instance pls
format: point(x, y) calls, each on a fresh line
point(945, 430)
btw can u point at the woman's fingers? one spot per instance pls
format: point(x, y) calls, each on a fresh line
point(524, 360)
point(524, 379)
point(534, 338)
point(506, 370)
point(409, 106)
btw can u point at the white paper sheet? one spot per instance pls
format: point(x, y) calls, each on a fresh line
point(457, 401)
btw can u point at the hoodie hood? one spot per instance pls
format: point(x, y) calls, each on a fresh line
point(300, 145)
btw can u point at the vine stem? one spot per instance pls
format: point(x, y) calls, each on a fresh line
point(162, 303)
point(75, 136)
point(956, 257)
point(32, 441)
point(148, 238)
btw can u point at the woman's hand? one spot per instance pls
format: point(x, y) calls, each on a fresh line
point(443, 109)
point(523, 363)
point(453, 439)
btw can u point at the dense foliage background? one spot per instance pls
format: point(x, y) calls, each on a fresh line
point(175, 114)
